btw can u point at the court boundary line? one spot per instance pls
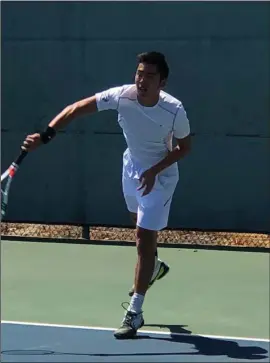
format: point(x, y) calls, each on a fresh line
point(141, 331)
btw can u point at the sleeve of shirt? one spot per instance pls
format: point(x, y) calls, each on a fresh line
point(181, 127)
point(108, 99)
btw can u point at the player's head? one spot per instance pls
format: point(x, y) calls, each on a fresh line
point(152, 73)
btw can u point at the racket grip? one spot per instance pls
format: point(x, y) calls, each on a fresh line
point(21, 157)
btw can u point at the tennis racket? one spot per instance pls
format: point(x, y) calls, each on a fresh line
point(8, 175)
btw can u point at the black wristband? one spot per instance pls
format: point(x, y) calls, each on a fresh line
point(47, 135)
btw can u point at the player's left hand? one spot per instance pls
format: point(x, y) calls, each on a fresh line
point(147, 180)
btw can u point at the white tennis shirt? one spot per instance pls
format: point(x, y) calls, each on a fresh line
point(148, 131)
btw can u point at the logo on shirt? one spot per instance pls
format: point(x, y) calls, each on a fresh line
point(105, 98)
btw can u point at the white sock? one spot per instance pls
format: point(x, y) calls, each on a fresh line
point(136, 303)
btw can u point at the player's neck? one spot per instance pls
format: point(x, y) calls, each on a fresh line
point(148, 102)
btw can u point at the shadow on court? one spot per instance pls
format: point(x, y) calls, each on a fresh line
point(179, 345)
point(209, 346)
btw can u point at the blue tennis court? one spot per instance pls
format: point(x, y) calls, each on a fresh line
point(28, 342)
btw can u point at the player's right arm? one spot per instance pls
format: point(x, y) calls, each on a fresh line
point(106, 100)
point(79, 108)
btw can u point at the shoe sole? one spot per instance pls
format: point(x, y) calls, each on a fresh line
point(162, 272)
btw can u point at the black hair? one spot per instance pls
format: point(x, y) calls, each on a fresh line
point(157, 59)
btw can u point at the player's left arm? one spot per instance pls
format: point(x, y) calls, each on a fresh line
point(181, 133)
point(182, 148)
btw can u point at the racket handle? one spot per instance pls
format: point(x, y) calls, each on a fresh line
point(21, 157)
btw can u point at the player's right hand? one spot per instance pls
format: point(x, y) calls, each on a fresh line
point(31, 142)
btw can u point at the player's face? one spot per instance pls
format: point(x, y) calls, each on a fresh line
point(147, 80)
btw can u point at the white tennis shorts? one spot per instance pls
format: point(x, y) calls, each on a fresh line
point(152, 209)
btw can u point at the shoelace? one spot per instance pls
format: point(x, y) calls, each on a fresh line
point(130, 316)
point(123, 303)
point(127, 308)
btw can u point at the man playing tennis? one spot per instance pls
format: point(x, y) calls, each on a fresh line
point(149, 118)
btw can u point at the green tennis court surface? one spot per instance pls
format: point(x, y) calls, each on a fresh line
point(61, 287)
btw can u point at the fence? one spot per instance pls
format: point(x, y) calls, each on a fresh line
point(219, 59)
point(171, 238)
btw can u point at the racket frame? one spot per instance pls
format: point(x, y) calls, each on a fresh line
point(9, 175)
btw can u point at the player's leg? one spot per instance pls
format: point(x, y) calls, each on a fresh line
point(133, 217)
point(153, 212)
point(146, 242)
point(151, 219)
point(129, 186)
point(146, 247)
point(160, 269)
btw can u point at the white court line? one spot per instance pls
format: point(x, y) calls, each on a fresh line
point(140, 331)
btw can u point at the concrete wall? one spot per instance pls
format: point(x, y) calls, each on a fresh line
point(54, 53)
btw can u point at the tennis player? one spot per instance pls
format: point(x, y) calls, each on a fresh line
point(150, 119)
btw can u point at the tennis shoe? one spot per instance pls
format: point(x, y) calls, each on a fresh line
point(131, 323)
point(160, 271)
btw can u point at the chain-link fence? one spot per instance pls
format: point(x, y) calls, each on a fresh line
point(79, 233)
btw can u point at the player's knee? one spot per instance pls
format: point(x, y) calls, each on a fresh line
point(146, 241)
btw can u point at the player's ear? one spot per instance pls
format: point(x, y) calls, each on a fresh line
point(163, 83)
